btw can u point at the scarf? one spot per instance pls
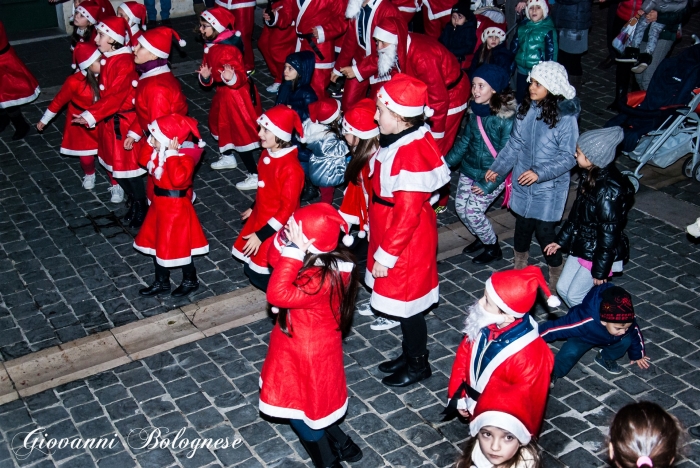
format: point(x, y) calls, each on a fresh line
point(142, 68)
point(482, 110)
point(388, 140)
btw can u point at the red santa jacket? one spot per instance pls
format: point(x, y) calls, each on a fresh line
point(236, 4)
point(515, 355)
point(221, 53)
point(363, 59)
point(325, 15)
point(17, 84)
point(355, 205)
point(438, 8)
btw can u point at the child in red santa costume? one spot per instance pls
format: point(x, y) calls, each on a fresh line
point(135, 14)
point(236, 104)
point(275, 44)
point(280, 180)
point(17, 87)
point(357, 60)
point(504, 429)
point(114, 113)
point(502, 346)
point(79, 91)
point(318, 24)
point(401, 262)
point(158, 93)
point(243, 12)
point(171, 232)
point(312, 289)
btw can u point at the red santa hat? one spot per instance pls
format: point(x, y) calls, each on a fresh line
point(491, 28)
point(406, 96)
point(509, 407)
point(115, 27)
point(136, 13)
point(515, 291)
point(91, 11)
point(84, 55)
point(359, 120)
point(166, 128)
point(220, 19)
point(542, 3)
point(282, 121)
point(158, 41)
point(395, 32)
point(324, 111)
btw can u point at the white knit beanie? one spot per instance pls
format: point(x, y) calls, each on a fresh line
point(542, 3)
point(553, 76)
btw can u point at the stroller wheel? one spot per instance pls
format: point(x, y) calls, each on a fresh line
point(688, 167)
point(696, 172)
point(633, 179)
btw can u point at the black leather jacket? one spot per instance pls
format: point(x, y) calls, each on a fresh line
point(594, 229)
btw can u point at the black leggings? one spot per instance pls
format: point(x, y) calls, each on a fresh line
point(415, 335)
point(134, 186)
point(543, 230)
point(188, 271)
point(248, 160)
point(572, 63)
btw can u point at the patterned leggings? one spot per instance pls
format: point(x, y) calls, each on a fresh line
point(655, 29)
point(471, 209)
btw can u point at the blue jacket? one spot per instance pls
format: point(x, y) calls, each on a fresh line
point(300, 94)
point(460, 40)
point(583, 322)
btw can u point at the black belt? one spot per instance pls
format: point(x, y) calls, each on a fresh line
point(5, 49)
point(117, 117)
point(454, 85)
point(310, 38)
point(451, 409)
point(169, 193)
point(381, 201)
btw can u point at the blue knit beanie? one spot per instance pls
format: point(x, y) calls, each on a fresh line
point(497, 77)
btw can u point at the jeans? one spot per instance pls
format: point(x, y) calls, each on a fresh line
point(574, 283)
point(574, 348)
point(305, 432)
point(151, 9)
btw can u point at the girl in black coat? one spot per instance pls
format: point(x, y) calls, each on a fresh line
point(493, 50)
point(593, 234)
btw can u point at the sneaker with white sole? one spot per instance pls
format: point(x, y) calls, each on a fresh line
point(382, 323)
point(225, 162)
point(694, 229)
point(273, 88)
point(250, 183)
point(365, 310)
point(89, 182)
point(117, 193)
point(611, 366)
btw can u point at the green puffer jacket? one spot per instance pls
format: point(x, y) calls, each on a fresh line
point(535, 43)
point(471, 152)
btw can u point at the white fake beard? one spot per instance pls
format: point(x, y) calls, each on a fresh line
point(478, 318)
point(353, 8)
point(387, 59)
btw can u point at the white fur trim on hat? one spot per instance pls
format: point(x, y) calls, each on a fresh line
point(365, 135)
point(501, 420)
point(385, 36)
point(553, 76)
point(333, 117)
point(541, 3)
point(86, 14)
point(92, 59)
point(103, 28)
point(493, 295)
point(158, 134)
point(493, 31)
point(403, 111)
point(265, 121)
point(151, 48)
point(211, 19)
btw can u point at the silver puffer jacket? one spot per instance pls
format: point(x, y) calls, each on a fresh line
point(329, 155)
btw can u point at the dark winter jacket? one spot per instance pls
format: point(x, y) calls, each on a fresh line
point(573, 14)
point(534, 43)
point(300, 94)
point(583, 322)
point(500, 56)
point(594, 229)
point(549, 152)
point(471, 152)
point(460, 40)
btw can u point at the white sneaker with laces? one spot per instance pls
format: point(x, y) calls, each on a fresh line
point(694, 229)
point(117, 193)
point(225, 162)
point(382, 323)
point(365, 310)
point(250, 183)
point(89, 182)
point(273, 88)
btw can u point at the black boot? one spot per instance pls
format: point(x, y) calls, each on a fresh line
point(473, 247)
point(129, 216)
point(4, 120)
point(417, 369)
point(189, 283)
point(159, 286)
point(321, 453)
point(310, 191)
point(620, 97)
point(491, 252)
point(140, 208)
point(395, 364)
point(21, 125)
point(342, 445)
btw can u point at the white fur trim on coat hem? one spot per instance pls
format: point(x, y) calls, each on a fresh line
point(240, 255)
point(176, 262)
point(104, 164)
point(20, 101)
point(128, 174)
point(291, 413)
point(231, 146)
point(70, 152)
point(258, 269)
point(403, 309)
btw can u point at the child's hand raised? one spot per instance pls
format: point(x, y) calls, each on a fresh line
point(204, 71)
point(174, 144)
point(226, 73)
point(642, 363)
point(295, 234)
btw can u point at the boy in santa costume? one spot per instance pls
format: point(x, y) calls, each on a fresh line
point(401, 262)
point(357, 60)
point(312, 289)
point(275, 44)
point(280, 180)
point(17, 86)
point(135, 14)
point(502, 345)
point(243, 12)
point(172, 232)
point(236, 104)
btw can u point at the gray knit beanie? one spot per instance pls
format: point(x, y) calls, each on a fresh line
point(599, 145)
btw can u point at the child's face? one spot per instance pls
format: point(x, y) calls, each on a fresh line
point(497, 445)
point(79, 21)
point(582, 160)
point(458, 19)
point(206, 30)
point(352, 140)
point(536, 13)
point(121, 14)
point(537, 91)
point(491, 307)
point(389, 122)
point(481, 91)
point(103, 42)
point(616, 329)
point(267, 139)
point(492, 41)
point(143, 55)
point(95, 67)
point(154, 143)
point(290, 72)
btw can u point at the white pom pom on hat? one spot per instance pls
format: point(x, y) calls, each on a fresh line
point(348, 240)
point(362, 234)
point(275, 310)
point(201, 143)
point(73, 66)
point(182, 43)
point(158, 173)
point(429, 112)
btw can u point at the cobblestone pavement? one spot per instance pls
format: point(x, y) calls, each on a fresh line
point(67, 269)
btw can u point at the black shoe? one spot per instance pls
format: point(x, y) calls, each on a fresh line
point(491, 252)
point(607, 63)
point(620, 97)
point(630, 55)
point(643, 63)
point(321, 453)
point(21, 129)
point(129, 216)
point(342, 445)
point(417, 369)
point(394, 365)
point(310, 191)
point(186, 287)
point(166, 22)
point(159, 286)
point(4, 120)
point(140, 209)
point(473, 247)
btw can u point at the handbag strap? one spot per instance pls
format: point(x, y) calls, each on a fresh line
point(493, 151)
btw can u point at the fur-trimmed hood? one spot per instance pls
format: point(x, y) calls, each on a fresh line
point(570, 106)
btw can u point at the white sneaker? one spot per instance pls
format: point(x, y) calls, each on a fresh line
point(382, 323)
point(89, 182)
point(273, 88)
point(225, 162)
point(117, 193)
point(365, 310)
point(250, 183)
point(694, 229)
